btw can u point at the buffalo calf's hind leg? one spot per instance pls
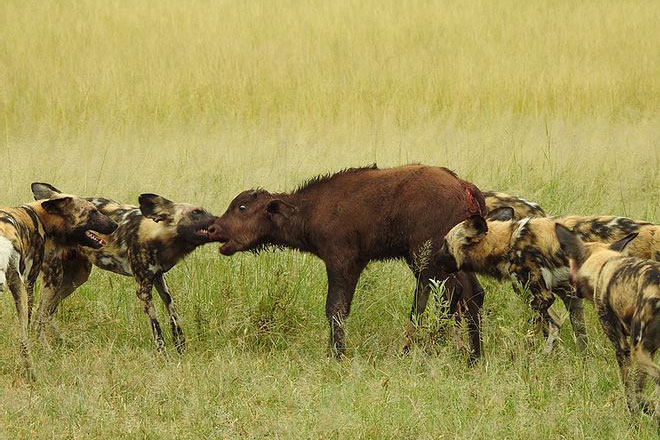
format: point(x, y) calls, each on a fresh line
point(177, 332)
point(472, 299)
point(420, 299)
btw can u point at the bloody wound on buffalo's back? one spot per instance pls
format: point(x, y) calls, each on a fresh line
point(357, 215)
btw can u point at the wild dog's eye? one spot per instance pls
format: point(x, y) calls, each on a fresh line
point(197, 212)
point(242, 207)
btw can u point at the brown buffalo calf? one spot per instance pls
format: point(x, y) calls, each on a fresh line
point(357, 215)
point(626, 293)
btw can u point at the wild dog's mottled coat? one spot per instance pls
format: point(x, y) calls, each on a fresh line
point(149, 241)
point(528, 251)
point(626, 293)
point(29, 231)
point(522, 208)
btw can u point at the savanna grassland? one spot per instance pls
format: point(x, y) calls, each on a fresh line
point(558, 102)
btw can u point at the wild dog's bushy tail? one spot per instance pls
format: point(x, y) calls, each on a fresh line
point(7, 253)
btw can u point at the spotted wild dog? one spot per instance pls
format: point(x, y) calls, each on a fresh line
point(149, 241)
point(528, 252)
point(29, 231)
point(626, 293)
point(522, 208)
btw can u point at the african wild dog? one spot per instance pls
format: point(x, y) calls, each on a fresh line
point(357, 215)
point(626, 293)
point(497, 204)
point(527, 250)
point(522, 208)
point(149, 241)
point(29, 231)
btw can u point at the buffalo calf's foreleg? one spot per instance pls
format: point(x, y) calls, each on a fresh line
point(341, 287)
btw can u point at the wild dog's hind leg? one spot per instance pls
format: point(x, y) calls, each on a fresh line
point(144, 293)
point(30, 301)
point(20, 294)
point(177, 331)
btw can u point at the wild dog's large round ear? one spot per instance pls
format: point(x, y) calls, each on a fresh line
point(57, 206)
point(570, 243)
point(620, 245)
point(42, 191)
point(501, 214)
point(476, 225)
point(156, 207)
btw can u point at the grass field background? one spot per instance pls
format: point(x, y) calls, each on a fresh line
point(557, 102)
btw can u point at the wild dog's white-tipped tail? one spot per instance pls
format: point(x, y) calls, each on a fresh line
point(7, 253)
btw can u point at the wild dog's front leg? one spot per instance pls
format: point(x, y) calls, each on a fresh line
point(177, 331)
point(575, 308)
point(144, 293)
point(642, 366)
point(614, 331)
point(62, 274)
point(20, 294)
point(52, 275)
point(47, 307)
point(541, 302)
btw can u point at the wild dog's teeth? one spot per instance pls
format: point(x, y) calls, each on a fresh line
point(95, 237)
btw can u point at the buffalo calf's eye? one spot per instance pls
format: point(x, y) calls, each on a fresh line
point(242, 207)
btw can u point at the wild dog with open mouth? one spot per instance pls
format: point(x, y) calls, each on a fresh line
point(149, 241)
point(521, 208)
point(528, 251)
point(29, 231)
point(626, 293)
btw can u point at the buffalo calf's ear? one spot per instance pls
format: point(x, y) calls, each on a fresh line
point(502, 214)
point(42, 191)
point(57, 206)
point(157, 208)
point(278, 207)
point(620, 245)
point(570, 243)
